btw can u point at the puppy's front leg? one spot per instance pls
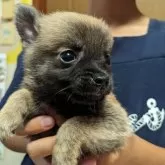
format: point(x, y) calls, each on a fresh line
point(92, 135)
point(18, 106)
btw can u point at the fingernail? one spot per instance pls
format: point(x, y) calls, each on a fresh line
point(47, 122)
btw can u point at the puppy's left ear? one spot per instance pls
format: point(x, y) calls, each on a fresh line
point(26, 21)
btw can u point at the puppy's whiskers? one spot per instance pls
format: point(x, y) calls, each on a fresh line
point(69, 97)
point(62, 90)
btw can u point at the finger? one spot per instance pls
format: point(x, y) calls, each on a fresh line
point(41, 148)
point(37, 125)
point(114, 157)
point(41, 161)
point(90, 161)
point(107, 159)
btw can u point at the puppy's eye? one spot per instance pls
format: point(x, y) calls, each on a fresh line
point(68, 56)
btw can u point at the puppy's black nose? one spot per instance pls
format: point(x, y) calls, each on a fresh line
point(87, 80)
point(101, 80)
point(98, 80)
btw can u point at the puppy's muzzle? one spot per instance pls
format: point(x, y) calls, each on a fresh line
point(95, 83)
point(98, 81)
point(91, 87)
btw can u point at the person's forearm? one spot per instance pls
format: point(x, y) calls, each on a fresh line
point(141, 152)
point(16, 143)
point(137, 152)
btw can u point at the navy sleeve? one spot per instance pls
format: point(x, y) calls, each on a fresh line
point(17, 79)
point(18, 76)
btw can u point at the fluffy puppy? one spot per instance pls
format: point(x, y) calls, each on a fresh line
point(67, 67)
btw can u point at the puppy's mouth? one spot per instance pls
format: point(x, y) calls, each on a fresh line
point(87, 90)
point(86, 98)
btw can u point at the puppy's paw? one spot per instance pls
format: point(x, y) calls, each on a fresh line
point(7, 126)
point(63, 159)
point(5, 133)
point(67, 150)
point(64, 154)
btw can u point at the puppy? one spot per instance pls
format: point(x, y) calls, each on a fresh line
point(67, 68)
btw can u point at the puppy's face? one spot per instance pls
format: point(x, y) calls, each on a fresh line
point(66, 54)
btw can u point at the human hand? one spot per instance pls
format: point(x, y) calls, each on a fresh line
point(41, 148)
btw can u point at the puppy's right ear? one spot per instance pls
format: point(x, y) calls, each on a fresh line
point(26, 21)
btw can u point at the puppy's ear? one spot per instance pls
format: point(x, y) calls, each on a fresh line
point(26, 21)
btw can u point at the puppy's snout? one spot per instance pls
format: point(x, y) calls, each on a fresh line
point(100, 80)
point(87, 80)
point(96, 80)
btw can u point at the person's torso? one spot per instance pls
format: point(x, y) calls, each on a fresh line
point(138, 65)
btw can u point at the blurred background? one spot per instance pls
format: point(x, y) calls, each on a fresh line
point(10, 47)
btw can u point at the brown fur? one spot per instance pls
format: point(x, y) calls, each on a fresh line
point(101, 131)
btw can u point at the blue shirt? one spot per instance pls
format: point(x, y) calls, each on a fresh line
point(138, 65)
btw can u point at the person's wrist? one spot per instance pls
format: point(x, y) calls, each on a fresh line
point(119, 157)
